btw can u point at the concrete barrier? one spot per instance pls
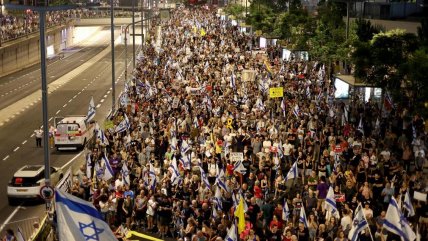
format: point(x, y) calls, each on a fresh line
point(25, 51)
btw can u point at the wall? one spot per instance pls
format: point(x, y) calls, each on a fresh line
point(21, 53)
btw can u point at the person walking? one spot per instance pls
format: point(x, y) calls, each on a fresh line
point(39, 134)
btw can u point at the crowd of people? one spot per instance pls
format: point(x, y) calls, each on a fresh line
point(199, 135)
point(15, 26)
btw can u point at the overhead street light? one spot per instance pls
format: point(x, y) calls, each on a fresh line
point(42, 22)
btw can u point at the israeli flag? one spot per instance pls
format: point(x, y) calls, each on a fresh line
point(239, 167)
point(360, 126)
point(232, 81)
point(125, 174)
point(296, 110)
point(280, 150)
point(285, 211)
point(260, 105)
point(359, 224)
point(395, 222)
point(101, 136)
point(219, 181)
point(195, 122)
point(79, 220)
point(204, 178)
point(19, 235)
point(153, 178)
point(91, 110)
point(232, 234)
point(302, 217)
point(184, 147)
point(293, 172)
point(330, 202)
point(218, 199)
point(88, 166)
point(123, 125)
point(124, 99)
point(173, 143)
point(175, 177)
point(108, 171)
point(185, 160)
point(408, 205)
point(283, 107)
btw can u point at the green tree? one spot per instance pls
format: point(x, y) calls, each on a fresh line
point(236, 10)
point(365, 30)
point(423, 32)
point(417, 78)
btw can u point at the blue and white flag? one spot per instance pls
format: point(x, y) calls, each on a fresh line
point(232, 81)
point(280, 150)
point(204, 178)
point(302, 217)
point(285, 211)
point(184, 147)
point(414, 135)
point(358, 225)
point(360, 127)
point(123, 125)
point(232, 234)
point(283, 108)
point(395, 222)
point(108, 171)
point(79, 220)
point(239, 167)
point(218, 199)
point(330, 203)
point(88, 166)
point(408, 205)
point(19, 235)
point(195, 122)
point(185, 160)
point(293, 172)
point(296, 110)
point(125, 174)
point(220, 181)
point(124, 99)
point(91, 110)
point(101, 135)
point(259, 104)
point(175, 177)
point(153, 178)
point(173, 143)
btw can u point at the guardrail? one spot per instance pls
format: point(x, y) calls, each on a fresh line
point(27, 227)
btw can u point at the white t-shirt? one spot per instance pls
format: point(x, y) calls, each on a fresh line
point(287, 148)
point(151, 205)
point(346, 221)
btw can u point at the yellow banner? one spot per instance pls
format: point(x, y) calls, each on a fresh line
point(108, 124)
point(276, 92)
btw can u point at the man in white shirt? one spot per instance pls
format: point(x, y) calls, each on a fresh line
point(287, 147)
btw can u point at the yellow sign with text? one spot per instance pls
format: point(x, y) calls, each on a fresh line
point(276, 92)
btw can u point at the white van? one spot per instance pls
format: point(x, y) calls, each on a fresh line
point(72, 132)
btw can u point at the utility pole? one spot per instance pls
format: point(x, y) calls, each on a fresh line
point(113, 75)
point(133, 34)
point(42, 22)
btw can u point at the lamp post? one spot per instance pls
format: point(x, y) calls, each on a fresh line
point(42, 18)
point(113, 86)
point(126, 44)
point(133, 33)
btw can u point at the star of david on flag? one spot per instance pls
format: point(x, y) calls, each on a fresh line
point(79, 220)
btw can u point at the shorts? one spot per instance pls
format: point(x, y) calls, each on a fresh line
point(164, 220)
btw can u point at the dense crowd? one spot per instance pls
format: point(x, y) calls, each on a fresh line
point(192, 108)
point(15, 26)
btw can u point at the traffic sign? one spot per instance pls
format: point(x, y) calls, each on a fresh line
point(47, 192)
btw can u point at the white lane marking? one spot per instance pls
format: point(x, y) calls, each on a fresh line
point(58, 112)
point(17, 148)
point(79, 93)
point(32, 135)
point(72, 159)
point(24, 142)
point(108, 92)
point(74, 97)
point(64, 105)
point(70, 100)
point(110, 88)
point(5, 158)
point(102, 100)
point(98, 106)
point(9, 218)
point(50, 119)
point(82, 90)
point(105, 96)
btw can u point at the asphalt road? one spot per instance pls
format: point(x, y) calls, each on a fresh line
point(18, 145)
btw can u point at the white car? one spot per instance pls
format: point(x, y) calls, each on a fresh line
point(28, 180)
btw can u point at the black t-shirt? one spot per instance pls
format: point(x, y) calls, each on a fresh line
point(253, 210)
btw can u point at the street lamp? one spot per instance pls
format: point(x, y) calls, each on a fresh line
point(42, 22)
point(113, 86)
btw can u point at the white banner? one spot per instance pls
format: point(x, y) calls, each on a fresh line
point(236, 156)
point(66, 181)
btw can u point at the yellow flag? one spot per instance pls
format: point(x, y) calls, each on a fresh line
point(195, 30)
point(239, 213)
point(268, 68)
point(203, 33)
